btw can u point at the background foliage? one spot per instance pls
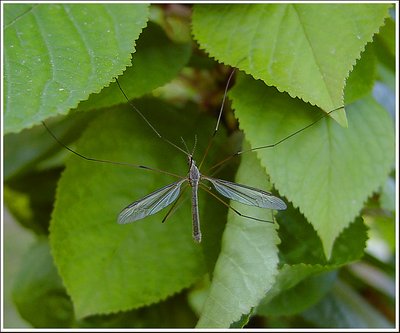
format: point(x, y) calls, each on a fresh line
point(295, 63)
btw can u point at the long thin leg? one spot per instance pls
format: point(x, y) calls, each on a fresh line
point(107, 161)
point(274, 144)
point(147, 121)
point(205, 188)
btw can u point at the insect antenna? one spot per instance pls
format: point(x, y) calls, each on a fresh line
point(218, 120)
point(220, 113)
point(186, 147)
point(195, 143)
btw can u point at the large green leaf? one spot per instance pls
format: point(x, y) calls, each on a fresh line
point(306, 50)
point(327, 171)
point(107, 267)
point(55, 55)
point(247, 264)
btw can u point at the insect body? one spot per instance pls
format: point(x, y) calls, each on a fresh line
point(194, 181)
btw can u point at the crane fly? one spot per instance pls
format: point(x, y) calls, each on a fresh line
point(165, 196)
point(154, 202)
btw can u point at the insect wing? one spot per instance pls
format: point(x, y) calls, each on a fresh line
point(247, 195)
point(151, 203)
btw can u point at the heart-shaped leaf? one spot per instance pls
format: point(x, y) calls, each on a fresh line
point(327, 171)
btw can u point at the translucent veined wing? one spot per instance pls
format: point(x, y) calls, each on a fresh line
point(151, 203)
point(247, 195)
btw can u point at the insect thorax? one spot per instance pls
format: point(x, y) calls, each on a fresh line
point(194, 173)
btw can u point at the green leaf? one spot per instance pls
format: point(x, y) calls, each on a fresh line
point(296, 47)
point(298, 298)
point(327, 171)
point(38, 286)
point(300, 243)
point(344, 308)
point(22, 150)
point(107, 267)
point(53, 58)
point(31, 150)
point(302, 256)
point(288, 278)
point(350, 244)
point(247, 264)
point(155, 54)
